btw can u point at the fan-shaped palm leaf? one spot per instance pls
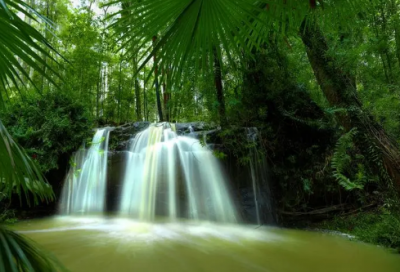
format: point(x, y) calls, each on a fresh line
point(18, 254)
point(21, 43)
point(18, 173)
point(18, 39)
point(192, 31)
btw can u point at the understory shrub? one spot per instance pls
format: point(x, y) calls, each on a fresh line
point(380, 227)
point(48, 126)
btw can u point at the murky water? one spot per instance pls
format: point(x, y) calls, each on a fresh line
point(101, 244)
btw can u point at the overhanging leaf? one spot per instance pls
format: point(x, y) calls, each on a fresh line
point(21, 43)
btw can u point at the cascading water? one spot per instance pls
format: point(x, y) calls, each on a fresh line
point(85, 185)
point(258, 171)
point(174, 176)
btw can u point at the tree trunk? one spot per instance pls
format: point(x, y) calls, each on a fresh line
point(119, 90)
point(166, 96)
point(137, 92)
point(157, 86)
point(145, 115)
point(395, 15)
point(220, 91)
point(337, 87)
point(47, 38)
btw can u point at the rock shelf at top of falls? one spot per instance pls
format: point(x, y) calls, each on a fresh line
point(165, 175)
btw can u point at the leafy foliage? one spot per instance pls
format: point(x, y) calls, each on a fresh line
point(21, 43)
point(322, 149)
point(19, 173)
point(380, 227)
point(18, 254)
point(341, 160)
point(7, 216)
point(49, 126)
point(198, 31)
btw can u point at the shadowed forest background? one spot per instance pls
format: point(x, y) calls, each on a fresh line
point(322, 87)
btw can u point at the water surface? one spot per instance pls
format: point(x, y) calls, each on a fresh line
point(97, 244)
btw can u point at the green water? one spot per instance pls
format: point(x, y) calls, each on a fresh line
point(99, 244)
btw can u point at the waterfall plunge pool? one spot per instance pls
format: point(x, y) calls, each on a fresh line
point(86, 244)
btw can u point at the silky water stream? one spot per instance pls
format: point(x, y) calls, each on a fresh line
point(176, 215)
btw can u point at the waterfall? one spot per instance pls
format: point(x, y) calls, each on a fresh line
point(174, 176)
point(166, 176)
point(85, 185)
point(258, 170)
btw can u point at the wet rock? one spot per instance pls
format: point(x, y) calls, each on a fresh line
point(193, 127)
point(248, 204)
point(120, 136)
point(115, 175)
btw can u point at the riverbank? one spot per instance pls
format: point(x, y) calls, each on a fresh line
point(380, 226)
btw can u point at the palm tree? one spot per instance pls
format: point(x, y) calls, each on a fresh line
point(21, 44)
point(200, 33)
point(195, 31)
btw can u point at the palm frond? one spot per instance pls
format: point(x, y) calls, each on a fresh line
point(18, 254)
point(21, 43)
point(189, 31)
point(19, 174)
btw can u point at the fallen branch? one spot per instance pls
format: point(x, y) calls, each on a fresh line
point(329, 209)
point(328, 212)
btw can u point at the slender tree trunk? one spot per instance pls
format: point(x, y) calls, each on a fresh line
point(46, 36)
point(397, 39)
point(119, 90)
point(159, 106)
point(386, 52)
point(220, 91)
point(138, 101)
point(378, 34)
point(396, 26)
point(144, 96)
point(137, 91)
point(166, 96)
point(165, 101)
point(337, 87)
point(98, 92)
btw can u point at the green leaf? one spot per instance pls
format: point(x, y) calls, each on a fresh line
point(18, 254)
point(188, 30)
point(21, 43)
point(19, 174)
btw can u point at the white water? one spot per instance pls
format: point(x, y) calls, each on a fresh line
point(174, 176)
point(85, 186)
point(258, 171)
point(252, 137)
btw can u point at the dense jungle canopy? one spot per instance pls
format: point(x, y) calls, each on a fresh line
point(319, 79)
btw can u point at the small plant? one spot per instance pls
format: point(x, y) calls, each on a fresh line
point(219, 154)
point(8, 217)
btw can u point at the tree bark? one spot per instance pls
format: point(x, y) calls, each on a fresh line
point(340, 92)
point(166, 97)
point(119, 98)
point(145, 114)
point(395, 14)
point(157, 86)
point(220, 91)
point(137, 93)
